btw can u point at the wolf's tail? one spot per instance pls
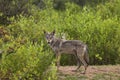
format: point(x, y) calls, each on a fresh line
point(86, 56)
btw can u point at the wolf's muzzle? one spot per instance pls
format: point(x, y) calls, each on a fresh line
point(48, 42)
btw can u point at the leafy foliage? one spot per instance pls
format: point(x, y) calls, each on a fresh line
point(27, 62)
point(25, 54)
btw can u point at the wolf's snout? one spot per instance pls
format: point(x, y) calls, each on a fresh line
point(48, 42)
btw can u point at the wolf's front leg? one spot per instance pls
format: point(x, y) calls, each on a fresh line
point(58, 60)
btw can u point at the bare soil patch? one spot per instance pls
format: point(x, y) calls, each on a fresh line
point(108, 72)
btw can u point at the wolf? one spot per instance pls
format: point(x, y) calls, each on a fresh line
point(75, 47)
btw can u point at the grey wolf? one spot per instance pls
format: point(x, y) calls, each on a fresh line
point(75, 47)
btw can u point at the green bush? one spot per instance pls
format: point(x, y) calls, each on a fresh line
point(98, 29)
point(27, 62)
point(26, 54)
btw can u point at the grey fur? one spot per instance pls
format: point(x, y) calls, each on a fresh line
point(76, 47)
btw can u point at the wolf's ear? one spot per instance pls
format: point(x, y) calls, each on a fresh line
point(53, 32)
point(44, 31)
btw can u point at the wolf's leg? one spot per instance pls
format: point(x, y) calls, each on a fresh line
point(58, 60)
point(78, 62)
point(84, 63)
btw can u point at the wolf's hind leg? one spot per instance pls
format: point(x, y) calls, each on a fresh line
point(84, 63)
point(78, 63)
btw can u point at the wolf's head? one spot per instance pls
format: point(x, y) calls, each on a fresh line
point(49, 36)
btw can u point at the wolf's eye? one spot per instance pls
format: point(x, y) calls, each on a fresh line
point(47, 37)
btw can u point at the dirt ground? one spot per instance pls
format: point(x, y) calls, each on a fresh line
point(109, 72)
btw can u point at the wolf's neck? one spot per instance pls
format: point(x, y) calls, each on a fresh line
point(55, 42)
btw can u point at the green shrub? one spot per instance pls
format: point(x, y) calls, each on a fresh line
point(26, 54)
point(27, 62)
point(98, 29)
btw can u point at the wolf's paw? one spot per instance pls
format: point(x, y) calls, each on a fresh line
point(83, 72)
